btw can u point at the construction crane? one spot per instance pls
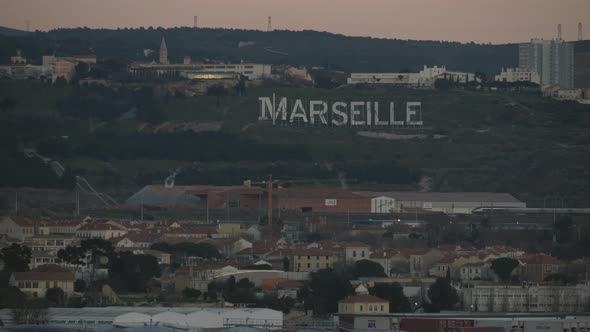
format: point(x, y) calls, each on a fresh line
point(270, 184)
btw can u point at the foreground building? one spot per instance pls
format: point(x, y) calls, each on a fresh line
point(424, 78)
point(512, 75)
point(36, 284)
point(527, 299)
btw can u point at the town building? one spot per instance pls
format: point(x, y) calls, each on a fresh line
point(538, 267)
point(64, 67)
point(363, 304)
point(553, 60)
point(36, 284)
point(424, 78)
point(52, 242)
point(198, 71)
point(495, 298)
point(311, 260)
point(511, 75)
point(100, 230)
point(356, 251)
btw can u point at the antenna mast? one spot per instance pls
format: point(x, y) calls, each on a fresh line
point(559, 31)
point(269, 27)
point(580, 36)
point(195, 25)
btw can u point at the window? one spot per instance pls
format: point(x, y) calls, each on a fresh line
point(354, 253)
point(317, 265)
point(317, 257)
point(47, 284)
point(361, 307)
point(363, 253)
point(55, 284)
point(35, 284)
point(308, 257)
point(21, 284)
point(308, 265)
point(382, 307)
point(27, 284)
point(327, 265)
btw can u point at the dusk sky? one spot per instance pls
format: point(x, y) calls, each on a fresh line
point(495, 21)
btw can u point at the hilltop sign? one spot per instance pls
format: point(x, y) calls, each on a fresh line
point(338, 113)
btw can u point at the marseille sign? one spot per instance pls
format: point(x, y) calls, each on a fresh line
point(282, 111)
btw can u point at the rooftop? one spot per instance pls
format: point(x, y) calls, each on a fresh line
point(363, 299)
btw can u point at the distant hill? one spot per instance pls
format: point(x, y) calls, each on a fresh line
point(310, 48)
point(12, 32)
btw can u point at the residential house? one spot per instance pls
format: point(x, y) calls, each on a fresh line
point(36, 284)
point(100, 230)
point(11, 229)
point(364, 305)
point(356, 251)
point(421, 260)
point(135, 240)
point(310, 260)
point(538, 267)
point(229, 229)
point(53, 242)
point(472, 271)
point(58, 227)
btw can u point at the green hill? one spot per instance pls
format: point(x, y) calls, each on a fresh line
point(471, 141)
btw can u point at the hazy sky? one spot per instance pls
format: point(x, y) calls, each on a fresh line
point(495, 21)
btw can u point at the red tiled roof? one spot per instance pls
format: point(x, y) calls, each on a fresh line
point(414, 252)
point(540, 259)
point(363, 299)
point(355, 244)
point(311, 252)
point(67, 276)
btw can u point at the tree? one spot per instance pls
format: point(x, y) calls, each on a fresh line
point(56, 297)
point(245, 284)
point(16, 258)
point(562, 227)
point(503, 267)
point(30, 312)
point(82, 70)
point(367, 268)
point(72, 255)
point(442, 296)
point(218, 91)
point(79, 285)
point(443, 84)
point(327, 288)
point(394, 293)
point(131, 272)
point(191, 293)
point(60, 81)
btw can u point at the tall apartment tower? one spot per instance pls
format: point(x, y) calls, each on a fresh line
point(553, 60)
point(163, 52)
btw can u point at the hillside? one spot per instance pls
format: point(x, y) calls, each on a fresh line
point(472, 141)
point(310, 48)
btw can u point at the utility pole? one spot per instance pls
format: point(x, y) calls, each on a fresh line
point(207, 207)
point(77, 203)
point(16, 203)
point(141, 210)
point(269, 188)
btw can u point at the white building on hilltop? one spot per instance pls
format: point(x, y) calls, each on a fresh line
point(426, 77)
point(512, 75)
point(553, 60)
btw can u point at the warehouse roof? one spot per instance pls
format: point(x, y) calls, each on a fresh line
point(476, 197)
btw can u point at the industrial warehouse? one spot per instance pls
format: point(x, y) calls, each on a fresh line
point(323, 199)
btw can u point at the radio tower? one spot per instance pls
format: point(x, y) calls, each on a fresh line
point(28, 25)
point(580, 36)
point(559, 31)
point(269, 27)
point(195, 25)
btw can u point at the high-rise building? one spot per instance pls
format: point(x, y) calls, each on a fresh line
point(553, 60)
point(163, 52)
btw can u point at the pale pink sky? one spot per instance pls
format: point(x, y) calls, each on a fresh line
point(495, 21)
